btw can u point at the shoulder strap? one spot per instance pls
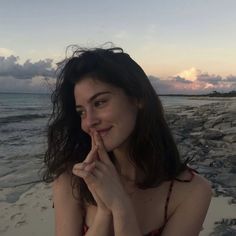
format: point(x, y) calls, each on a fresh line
point(191, 171)
point(167, 200)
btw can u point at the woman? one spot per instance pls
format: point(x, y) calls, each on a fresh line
point(114, 164)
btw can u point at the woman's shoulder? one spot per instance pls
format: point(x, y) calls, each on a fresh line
point(189, 184)
point(192, 177)
point(68, 210)
point(62, 181)
point(62, 187)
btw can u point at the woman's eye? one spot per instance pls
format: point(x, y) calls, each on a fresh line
point(80, 113)
point(99, 103)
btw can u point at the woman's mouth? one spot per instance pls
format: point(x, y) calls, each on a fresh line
point(103, 132)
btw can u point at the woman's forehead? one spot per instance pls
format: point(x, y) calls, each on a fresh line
point(87, 89)
point(92, 83)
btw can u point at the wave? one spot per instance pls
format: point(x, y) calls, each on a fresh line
point(19, 118)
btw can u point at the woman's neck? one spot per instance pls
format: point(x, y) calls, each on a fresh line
point(128, 171)
point(125, 167)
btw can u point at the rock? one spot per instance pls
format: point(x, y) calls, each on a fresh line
point(217, 144)
point(195, 134)
point(223, 126)
point(230, 138)
point(231, 130)
point(202, 141)
point(191, 123)
point(217, 120)
point(223, 230)
point(232, 201)
point(227, 222)
point(227, 179)
point(217, 164)
point(213, 134)
point(207, 134)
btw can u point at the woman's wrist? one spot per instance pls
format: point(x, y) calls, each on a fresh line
point(104, 212)
point(102, 224)
point(125, 221)
point(122, 205)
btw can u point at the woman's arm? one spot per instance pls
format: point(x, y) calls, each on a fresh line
point(69, 215)
point(102, 225)
point(125, 221)
point(68, 211)
point(189, 216)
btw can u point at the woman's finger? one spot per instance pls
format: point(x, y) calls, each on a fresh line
point(80, 165)
point(92, 155)
point(93, 145)
point(88, 176)
point(102, 153)
point(83, 167)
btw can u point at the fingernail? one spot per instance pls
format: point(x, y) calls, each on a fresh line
point(97, 135)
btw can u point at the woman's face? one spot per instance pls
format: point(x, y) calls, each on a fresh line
point(106, 109)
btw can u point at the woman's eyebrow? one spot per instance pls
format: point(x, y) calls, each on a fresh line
point(94, 97)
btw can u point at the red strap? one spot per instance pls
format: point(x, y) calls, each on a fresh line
point(191, 171)
point(171, 187)
point(167, 200)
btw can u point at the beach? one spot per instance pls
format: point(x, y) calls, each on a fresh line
point(206, 132)
point(33, 215)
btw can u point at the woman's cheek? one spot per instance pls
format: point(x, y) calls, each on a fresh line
point(84, 128)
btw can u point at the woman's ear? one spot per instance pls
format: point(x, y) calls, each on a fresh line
point(139, 104)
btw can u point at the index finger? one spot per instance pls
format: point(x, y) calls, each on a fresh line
point(101, 148)
point(93, 144)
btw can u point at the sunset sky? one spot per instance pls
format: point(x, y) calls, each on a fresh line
point(185, 46)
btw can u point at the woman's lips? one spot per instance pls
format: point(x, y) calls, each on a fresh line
point(103, 132)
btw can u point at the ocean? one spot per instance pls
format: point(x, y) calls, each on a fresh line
point(23, 121)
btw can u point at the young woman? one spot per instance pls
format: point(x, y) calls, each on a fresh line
point(114, 164)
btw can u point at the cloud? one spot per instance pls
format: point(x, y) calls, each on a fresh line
point(230, 78)
point(161, 86)
point(181, 80)
point(39, 77)
point(193, 81)
point(27, 77)
point(37, 84)
point(211, 79)
point(189, 74)
point(9, 66)
point(5, 52)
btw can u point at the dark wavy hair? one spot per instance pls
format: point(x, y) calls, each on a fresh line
point(152, 147)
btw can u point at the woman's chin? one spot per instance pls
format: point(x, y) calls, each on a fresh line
point(108, 148)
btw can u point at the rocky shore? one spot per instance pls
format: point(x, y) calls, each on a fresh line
point(207, 134)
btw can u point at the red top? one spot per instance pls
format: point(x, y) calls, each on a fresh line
point(158, 232)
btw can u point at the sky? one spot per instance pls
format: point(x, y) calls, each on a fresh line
point(183, 46)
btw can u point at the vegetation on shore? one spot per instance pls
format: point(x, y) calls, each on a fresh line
point(212, 94)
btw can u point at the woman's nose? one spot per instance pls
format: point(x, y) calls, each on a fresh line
point(92, 119)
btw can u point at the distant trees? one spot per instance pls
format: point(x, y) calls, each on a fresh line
point(219, 94)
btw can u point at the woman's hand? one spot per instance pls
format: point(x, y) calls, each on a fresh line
point(84, 170)
point(101, 176)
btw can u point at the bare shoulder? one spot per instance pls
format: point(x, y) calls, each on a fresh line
point(198, 186)
point(189, 205)
point(68, 210)
point(62, 183)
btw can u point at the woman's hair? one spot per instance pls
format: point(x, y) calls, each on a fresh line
point(152, 147)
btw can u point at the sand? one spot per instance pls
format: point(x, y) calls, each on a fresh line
point(32, 214)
